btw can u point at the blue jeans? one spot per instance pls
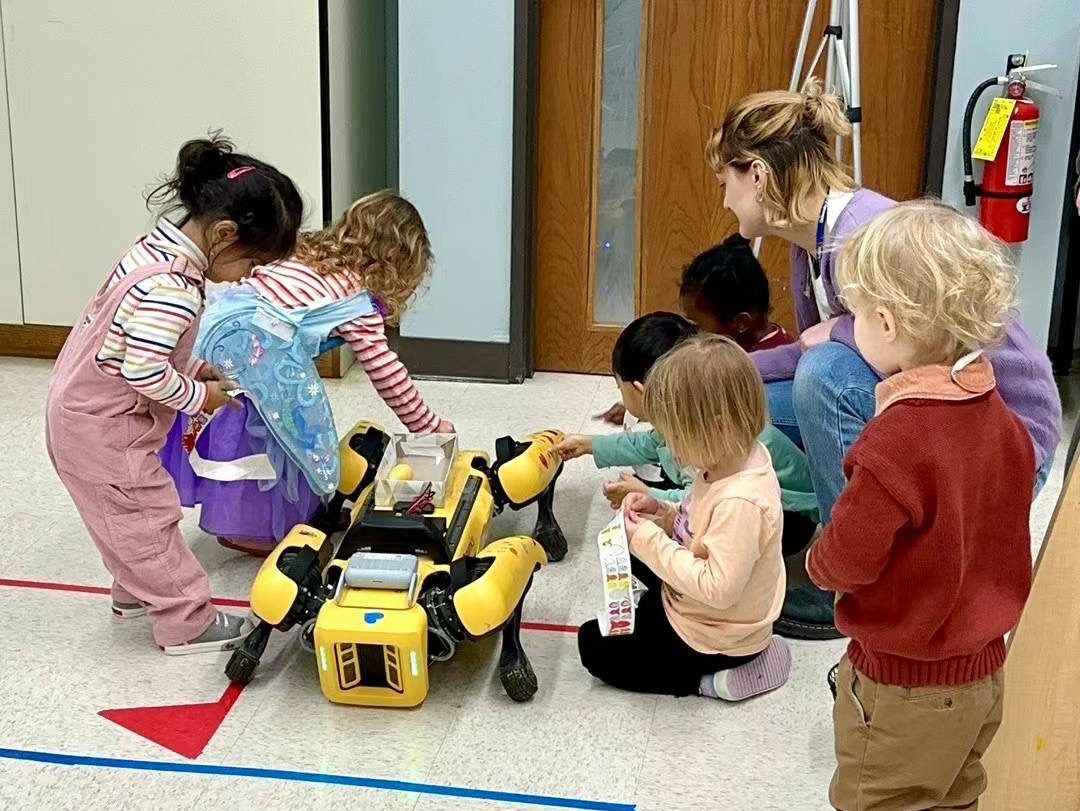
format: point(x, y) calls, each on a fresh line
point(833, 399)
point(828, 404)
point(782, 409)
point(1043, 474)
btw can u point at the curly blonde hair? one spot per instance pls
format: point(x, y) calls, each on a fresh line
point(706, 399)
point(792, 134)
point(947, 281)
point(382, 239)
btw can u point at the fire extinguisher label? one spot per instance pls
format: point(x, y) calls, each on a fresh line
point(993, 129)
point(1023, 205)
point(1020, 168)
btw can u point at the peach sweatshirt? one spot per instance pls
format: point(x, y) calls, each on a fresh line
point(718, 553)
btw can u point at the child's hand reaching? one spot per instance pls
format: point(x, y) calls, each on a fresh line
point(445, 427)
point(631, 522)
point(817, 334)
point(617, 491)
point(642, 504)
point(207, 373)
point(216, 396)
point(614, 415)
point(637, 509)
point(574, 445)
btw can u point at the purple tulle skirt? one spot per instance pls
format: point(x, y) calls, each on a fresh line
point(250, 510)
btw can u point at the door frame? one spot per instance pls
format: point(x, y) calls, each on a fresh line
point(526, 99)
point(523, 200)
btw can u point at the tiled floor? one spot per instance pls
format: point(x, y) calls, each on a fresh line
point(577, 744)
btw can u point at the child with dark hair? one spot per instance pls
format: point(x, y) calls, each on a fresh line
point(126, 370)
point(637, 350)
point(724, 290)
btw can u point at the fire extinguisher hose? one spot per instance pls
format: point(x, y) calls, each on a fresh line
point(971, 191)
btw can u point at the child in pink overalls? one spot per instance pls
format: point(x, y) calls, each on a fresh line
point(126, 369)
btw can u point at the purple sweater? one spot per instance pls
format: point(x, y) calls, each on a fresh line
point(1024, 375)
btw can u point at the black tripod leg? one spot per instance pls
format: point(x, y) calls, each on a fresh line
point(515, 672)
point(244, 660)
point(547, 531)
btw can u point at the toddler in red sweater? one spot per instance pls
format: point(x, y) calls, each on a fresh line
point(928, 548)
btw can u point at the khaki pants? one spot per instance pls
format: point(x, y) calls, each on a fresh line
point(900, 749)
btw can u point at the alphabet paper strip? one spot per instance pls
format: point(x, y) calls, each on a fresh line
point(616, 618)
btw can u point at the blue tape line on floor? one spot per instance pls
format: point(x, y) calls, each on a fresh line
point(310, 777)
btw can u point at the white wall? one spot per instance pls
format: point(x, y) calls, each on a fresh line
point(103, 94)
point(11, 310)
point(989, 30)
point(456, 73)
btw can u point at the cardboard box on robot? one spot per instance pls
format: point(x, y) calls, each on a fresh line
point(429, 455)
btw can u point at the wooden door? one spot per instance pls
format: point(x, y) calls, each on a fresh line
point(693, 60)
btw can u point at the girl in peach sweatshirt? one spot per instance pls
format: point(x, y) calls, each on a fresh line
point(712, 564)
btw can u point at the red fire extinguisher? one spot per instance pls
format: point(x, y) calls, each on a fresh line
point(1008, 179)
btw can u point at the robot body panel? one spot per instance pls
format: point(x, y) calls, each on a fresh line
point(525, 476)
point(275, 592)
point(360, 450)
point(371, 657)
point(485, 604)
point(404, 586)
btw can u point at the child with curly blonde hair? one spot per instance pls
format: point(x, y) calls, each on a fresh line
point(928, 549)
point(347, 281)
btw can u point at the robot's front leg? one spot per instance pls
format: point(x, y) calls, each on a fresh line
point(515, 671)
point(245, 658)
point(547, 531)
point(287, 591)
point(485, 594)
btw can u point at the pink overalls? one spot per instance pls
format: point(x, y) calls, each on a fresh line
point(103, 440)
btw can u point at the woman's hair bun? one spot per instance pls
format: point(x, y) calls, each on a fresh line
point(824, 112)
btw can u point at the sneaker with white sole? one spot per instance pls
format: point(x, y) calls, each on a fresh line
point(225, 633)
point(767, 672)
point(127, 611)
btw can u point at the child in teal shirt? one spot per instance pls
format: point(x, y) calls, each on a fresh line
point(639, 346)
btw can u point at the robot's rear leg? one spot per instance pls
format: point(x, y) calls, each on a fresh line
point(515, 671)
point(245, 658)
point(547, 531)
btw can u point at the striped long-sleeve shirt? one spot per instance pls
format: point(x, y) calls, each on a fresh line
point(291, 284)
point(152, 317)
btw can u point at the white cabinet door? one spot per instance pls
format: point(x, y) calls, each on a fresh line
point(11, 310)
point(103, 94)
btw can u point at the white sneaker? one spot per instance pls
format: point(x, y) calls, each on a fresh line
point(223, 634)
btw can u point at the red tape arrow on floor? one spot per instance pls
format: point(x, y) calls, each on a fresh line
point(186, 729)
point(182, 728)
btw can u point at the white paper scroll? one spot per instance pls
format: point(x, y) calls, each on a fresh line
point(616, 617)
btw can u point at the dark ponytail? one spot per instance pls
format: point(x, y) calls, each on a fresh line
point(727, 279)
point(212, 182)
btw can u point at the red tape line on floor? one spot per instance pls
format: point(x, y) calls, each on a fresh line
point(74, 588)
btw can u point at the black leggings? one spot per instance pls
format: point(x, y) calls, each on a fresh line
point(798, 532)
point(653, 659)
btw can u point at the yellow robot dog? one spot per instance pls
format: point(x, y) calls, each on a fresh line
point(403, 588)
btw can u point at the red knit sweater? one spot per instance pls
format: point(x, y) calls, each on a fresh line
point(929, 546)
